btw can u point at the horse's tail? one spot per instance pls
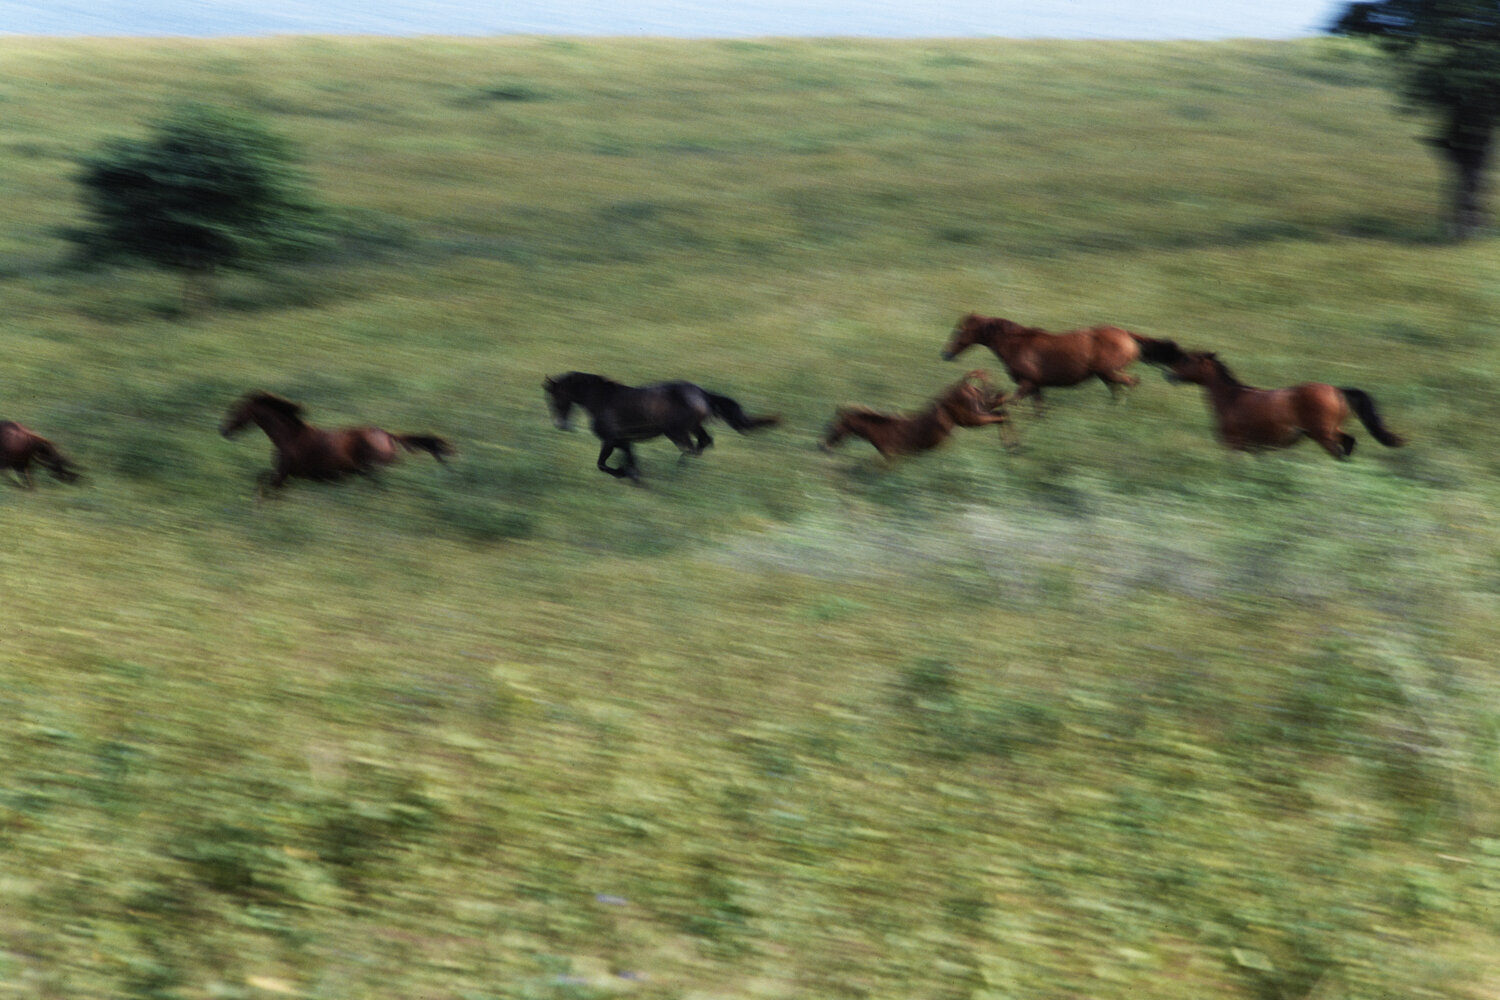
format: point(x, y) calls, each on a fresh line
point(430, 443)
point(733, 415)
point(1364, 408)
point(1157, 351)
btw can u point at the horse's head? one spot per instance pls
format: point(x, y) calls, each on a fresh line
point(1196, 367)
point(975, 384)
point(973, 396)
point(965, 335)
point(1159, 350)
point(237, 419)
point(559, 402)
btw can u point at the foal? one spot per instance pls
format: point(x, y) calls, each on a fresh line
point(1250, 419)
point(970, 402)
point(312, 453)
point(1035, 359)
point(21, 446)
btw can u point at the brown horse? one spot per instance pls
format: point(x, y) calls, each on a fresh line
point(1250, 419)
point(970, 402)
point(1035, 359)
point(311, 453)
point(21, 446)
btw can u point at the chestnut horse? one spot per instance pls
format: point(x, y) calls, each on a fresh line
point(620, 414)
point(21, 446)
point(311, 453)
point(1250, 419)
point(1035, 359)
point(970, 402)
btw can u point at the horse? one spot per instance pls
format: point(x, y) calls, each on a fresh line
point(1251, 419)
point(620, 414)
point(970, 402)
point(20, 447)
point(1035, 359)
point(312, 453)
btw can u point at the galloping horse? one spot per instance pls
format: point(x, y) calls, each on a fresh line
point(970, 402)
point(311, 453)
point(1250, 419)
point(620, 414)
point(21, 446)
point(1035, 358)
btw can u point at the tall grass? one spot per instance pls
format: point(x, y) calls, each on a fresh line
point(1115, 714)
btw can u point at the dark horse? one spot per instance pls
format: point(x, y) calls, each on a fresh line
point(21, 446)
point(620, 414)
point(312, 453)
point(1035, 359)
point(1251, 419)
point(970, 402)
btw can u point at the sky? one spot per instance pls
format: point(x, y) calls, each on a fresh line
point(1125, 19)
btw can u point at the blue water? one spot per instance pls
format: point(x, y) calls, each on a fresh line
point(1133, 19)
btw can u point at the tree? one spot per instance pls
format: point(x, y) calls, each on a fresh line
point(206, 189)
point(1447, 55)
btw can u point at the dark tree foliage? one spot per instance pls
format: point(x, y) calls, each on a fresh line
point(1447, 55)
point(206, 189)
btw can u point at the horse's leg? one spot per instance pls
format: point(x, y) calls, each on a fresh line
point(1333, 444)
point(1347, 440)
point(1009, 439)
point(683, 439)
point(837, 431)
point(631, 469)
point(704, 441)
point(1117, 380)
point(281, 473)
point(372, 475)
point(607, 450)
point(1330, 439)
point(268, 479)
point(1026, 388)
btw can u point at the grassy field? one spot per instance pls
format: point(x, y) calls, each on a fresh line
point(1117, 715)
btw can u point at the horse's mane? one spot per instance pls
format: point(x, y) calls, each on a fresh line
point(979, 321)
point(865, 413)
point(1223, 370)
point(582, 378)
point(280, 404)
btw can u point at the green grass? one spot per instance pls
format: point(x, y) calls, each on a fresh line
point(1116, 715)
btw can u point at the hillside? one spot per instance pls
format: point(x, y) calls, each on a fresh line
point(1117, 714)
